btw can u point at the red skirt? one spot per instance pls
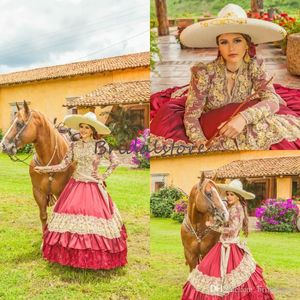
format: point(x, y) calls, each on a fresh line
point(243, 278)
point(167, 115)
point(86, 230)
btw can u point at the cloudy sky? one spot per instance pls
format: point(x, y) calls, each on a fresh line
point(38, 33)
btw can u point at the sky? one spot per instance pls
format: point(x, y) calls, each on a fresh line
point(37, 33)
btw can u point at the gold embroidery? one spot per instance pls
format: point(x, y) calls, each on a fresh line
point(219, 287)
point(87, 224)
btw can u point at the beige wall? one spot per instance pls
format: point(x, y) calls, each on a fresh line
point(183, 171)
point(48, 96)
point(284, 187)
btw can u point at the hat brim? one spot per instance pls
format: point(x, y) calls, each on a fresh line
point(226, 188)
point(73, 121)
point(203, 34)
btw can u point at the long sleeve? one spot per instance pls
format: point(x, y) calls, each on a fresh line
point(109, 155)
point(195, 102)
point(234, 224)
point(64, 164)
point(269, 103)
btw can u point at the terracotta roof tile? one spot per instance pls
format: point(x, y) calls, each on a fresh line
point(79, 68)
point(115, 93)
point(276, 166)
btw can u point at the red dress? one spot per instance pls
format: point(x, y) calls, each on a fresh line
point(228, 271)
point(189, 115)
point(85, 230)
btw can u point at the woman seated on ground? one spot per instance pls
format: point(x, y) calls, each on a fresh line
point(218, 88)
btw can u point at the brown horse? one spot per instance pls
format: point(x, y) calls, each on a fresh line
point(204, 205)
point(31, 126)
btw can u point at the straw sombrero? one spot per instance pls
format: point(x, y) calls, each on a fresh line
point(235, 186)
point(231, 19)
point(89, 118)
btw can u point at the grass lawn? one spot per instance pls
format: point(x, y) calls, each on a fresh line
point(276, 253)
point(23, 272)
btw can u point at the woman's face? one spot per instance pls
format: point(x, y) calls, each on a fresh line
point(232, 198)
point(85, 131)
point(232, 47)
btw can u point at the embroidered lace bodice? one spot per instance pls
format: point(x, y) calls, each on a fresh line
point(208, 91)
point(87, 156)
point(235, 223)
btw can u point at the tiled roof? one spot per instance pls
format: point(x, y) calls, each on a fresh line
point(115, 93)
point(78, 68)
point(276, 166)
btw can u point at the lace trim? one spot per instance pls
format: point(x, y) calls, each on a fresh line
point(215, 286)
point(87, 224)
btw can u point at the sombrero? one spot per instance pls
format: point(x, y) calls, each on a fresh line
point(235, 186)
point(89, 118)
point(231, 19)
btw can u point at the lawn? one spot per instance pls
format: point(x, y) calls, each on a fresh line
point(23, 272)
point(277, 253)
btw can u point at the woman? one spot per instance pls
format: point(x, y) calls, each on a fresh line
point(86, 230)
point(228, 271)
point(218, 88)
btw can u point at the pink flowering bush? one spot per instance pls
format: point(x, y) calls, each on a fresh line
point(277, 215)
point(180, 209)
point(139, 148)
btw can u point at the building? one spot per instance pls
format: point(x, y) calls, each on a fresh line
point(51, 89)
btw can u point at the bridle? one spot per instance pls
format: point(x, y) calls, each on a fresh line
point(200, 235)
point(15, 158)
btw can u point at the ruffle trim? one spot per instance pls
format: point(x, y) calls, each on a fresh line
point(84, 259)
point(217, 286)
point(87, 241)
point(109, 228)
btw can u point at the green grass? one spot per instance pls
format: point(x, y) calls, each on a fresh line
point(23, 272)
point(276, 253)
point(189, 8)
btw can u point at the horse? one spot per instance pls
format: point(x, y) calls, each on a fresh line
point(204, 205)
point(31, 126)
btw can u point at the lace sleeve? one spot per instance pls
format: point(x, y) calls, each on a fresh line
point(195, 102)
point(104, 150)
point(269, 103)
point(234, 224)
point(63, 165)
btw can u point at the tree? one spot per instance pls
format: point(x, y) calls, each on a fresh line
point(257, 5)
point(162, 17)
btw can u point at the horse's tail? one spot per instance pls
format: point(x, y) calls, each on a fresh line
point(51, 199)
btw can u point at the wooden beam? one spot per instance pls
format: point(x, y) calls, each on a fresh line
point(162, 17)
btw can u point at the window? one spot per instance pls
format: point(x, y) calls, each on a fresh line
point(158, 182)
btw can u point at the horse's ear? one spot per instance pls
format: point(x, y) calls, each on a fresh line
point(17, 105)
point(26, 107)
point(202, 178)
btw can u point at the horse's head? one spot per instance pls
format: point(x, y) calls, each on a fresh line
point(22, 131)
point(208, 200)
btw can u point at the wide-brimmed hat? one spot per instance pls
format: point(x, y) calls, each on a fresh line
point(235, 186)
point(89, 118)
point(231, 19)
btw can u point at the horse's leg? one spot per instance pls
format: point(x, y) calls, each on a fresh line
point(192, 258)
point(41, 201)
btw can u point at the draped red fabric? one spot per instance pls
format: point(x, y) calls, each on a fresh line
point(167, 115)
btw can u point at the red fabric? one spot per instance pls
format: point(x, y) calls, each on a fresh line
point(167, 115)
point(253, 289)
point(88, 251)
point(85, 251)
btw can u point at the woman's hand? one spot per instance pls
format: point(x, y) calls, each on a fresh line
point(233, 128)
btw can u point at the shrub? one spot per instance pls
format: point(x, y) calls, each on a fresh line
point(180, 209)
point(162, 202)
point(277, 215)
point(139, 148)
point(1, 135)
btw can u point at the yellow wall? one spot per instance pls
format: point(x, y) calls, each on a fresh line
point(183, 171)
point(284, 187)
point(48, 96)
